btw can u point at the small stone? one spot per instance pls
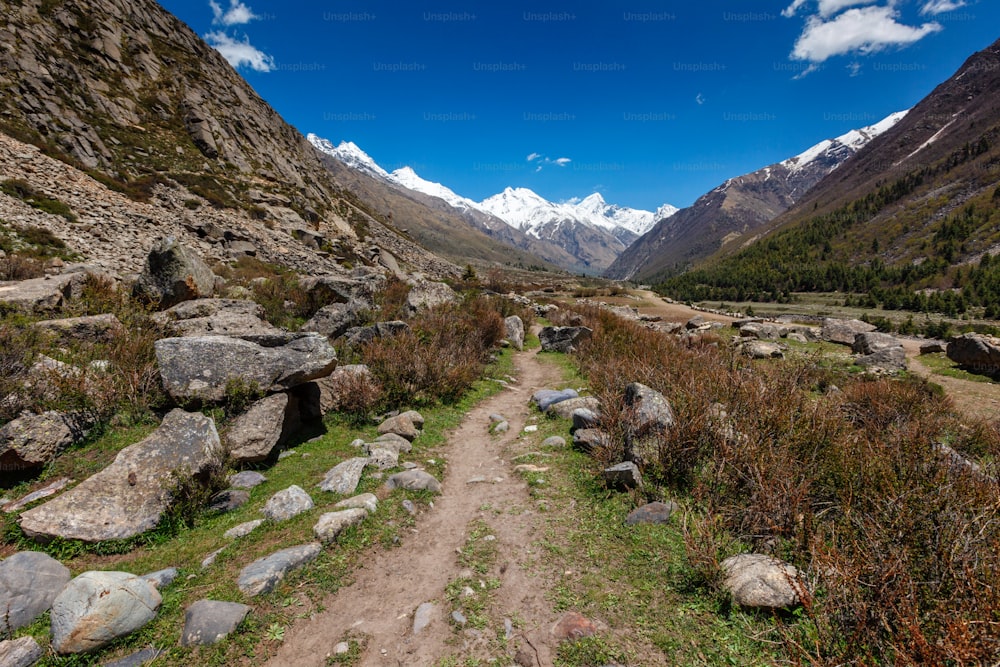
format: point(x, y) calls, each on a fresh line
point(342, 648)
point(287, 503)
point(246, 479)
point(242, 530)
point(554, 441)
point(624, 475)
point(459, 618)
point(209, 560)
point(531, 428)
point(228, 500)
point(366, 501)
point(207, 622)
point(572, 626)
point(413, 480)
point(422, 617)
point(264, 574)
point(508, 628)
point(655, 513)
point(476, 480)
point(500, 427)
point(410, 507)
point(162, 578)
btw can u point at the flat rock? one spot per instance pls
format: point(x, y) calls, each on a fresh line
point(253, 436)
point(50, 489)
point(287, 503)
point(41, 294)
point(401, 425)
point(655, 512)
point(236, 318)
point(426, 294)
point(761, 349)
point(624, 475)
point(29, 582)
point(365, 501)
point(887, 359)
point(563, 339)
point(99, 328)
point(264, 574)
point(228, 500)
point(173, 273)
point(544, 398)
point(413, 480)
point(138, 659)
point(345, 476)
point(22, 652)
point(332, 524)
point(422, 617)
point(242, 530)
point(207, 622)
point(843, 331)
point(96, 608)
point(554, 441)
point(198, 368)
point(246, 479)
point(31, 441)
point(513, 327)
point(130, 496)
point(760, 581)
point(564, 409)
point(870, 342)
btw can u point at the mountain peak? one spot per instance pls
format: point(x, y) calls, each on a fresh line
point(350, 154)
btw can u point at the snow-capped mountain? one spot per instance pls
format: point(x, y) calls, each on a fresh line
point(740, 209)
point(592, 231)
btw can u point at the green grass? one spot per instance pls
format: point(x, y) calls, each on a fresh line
point(940, 364)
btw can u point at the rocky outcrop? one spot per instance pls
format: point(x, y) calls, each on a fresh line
point(335, 319)
point(199, 368)
point(563, 339)
point(426, 294)
point(130, 495)
point(98, 607)
point(95, 328)
point(236, 318)
point(173, 273)
point(843, 331)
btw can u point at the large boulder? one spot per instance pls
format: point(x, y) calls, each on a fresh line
point(22, 652)
point(624, 475)
point(31, 441)
point(401, 425)
point(513, 328)
point(254, 435)
point(843, 331)
point(236, 318)
point(888, 359)
point(98, 607)
point(545, 398)
point(199, 368)
point(173, 273)
point(426, 294)
point(562, 339)
point(130, 496)
point(870, 342)
point(976, 352)
point(29, 582)
point(565, 409)
point(41, 294)
point(762, 349)
point(207, 622)
point(759, 581)
point(335, 319)
point(264, 574)
point(761, 331)
point(96, 328)
point(650, 417)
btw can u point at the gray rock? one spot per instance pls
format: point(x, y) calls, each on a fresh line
point(563, 339)
point(246, 479)
point(695, 322)
point(382, 458)
point(199, 367)
point(29, 582)
point(287, 503)
point(365, 501)
point(410, 508)
point(544, 398)
point(31, 441)
point(401, 425)
point(797, 337)
point(655, 512)
point(207, 622)
point(933, 347)
point(976, 352)
point(426, 294)
point(22, 652)
point(236, 318)
point(554, 441)
point(173, 273)
point(100, 328)
point(357, 336)
point(264, 574)
point(254, 435)
point(843, 331)
point(564, 409)
point(228, 500)
point(332, 524)
point(500, 427)
point(422, 617)
point(41, 294)
point(393, 440)
point(138, 659)
point(162, 578)
point(871, 342)
point(514, 331)
point(130, 496)
point(590, 440)
point(584, 418)
point(242, 530)
point(335, 319)
point(413, 480)
point(887, 359)
point(44, 492)
point(651, 418)
point(209, 560)
point(96, 608)
point(459, 618)
point(759, 349)
point(759, 581)
point(761, 331)
point(624, 475)
point(345, 476)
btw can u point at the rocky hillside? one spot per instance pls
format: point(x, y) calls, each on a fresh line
point(128, 94)
point(736, 212)
point(911, 221)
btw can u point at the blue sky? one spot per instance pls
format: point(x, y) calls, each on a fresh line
point(645, 102)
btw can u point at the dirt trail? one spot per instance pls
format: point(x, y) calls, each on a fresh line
point(381, 601)
point(979, 400)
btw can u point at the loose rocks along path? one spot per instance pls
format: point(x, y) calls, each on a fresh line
point(386, 591)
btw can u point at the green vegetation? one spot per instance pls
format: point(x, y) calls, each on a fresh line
point(22, 190)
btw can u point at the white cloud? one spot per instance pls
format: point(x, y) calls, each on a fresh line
point(562, 161)
point(935, 7)
point(862, 30)
point(237, 14)
point(534, 156)
point(240, 53)
point(825, 8)
point(542, 161)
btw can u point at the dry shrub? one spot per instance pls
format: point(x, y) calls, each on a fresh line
point(16, 267)
point(390, 301)
point(902, 550)
point(357, 394)
point(16, 354)
point(439, 357)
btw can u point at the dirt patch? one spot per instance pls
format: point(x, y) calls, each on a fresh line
point(381, 602)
